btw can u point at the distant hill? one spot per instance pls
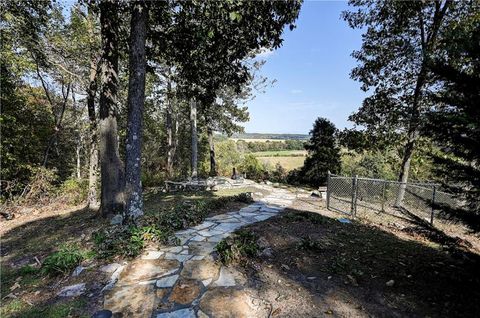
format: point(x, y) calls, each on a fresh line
point(271, 136)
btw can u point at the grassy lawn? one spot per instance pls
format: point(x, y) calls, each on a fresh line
point(289, 163)
point(280, 153)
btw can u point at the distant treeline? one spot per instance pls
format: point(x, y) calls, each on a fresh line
point(271, 136)
point(256, 146)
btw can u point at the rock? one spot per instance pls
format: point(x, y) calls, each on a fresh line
point(72, 290)
point(229, 302)
point(266, 252)
point(200, 270)
point(214, 188)
point(131, 301)
point(225, 279)
point(153, 255)
point(166, 282)
point(147, 270)
point(390, 283)
point(78, 270)
point(116, 220)
point(316, 194)
point(102, 314)
point(182, 313)
point(110, 268)
point(185, 291)
point(201, 314)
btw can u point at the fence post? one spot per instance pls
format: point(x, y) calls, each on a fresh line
point(328, 190)
point(353, 209)
point(433, 204)
point(383, 195)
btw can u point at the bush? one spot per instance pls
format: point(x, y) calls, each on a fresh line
point(128, 242)
point(252, 167)
point(308, 244)
point(41, 185)
point(238, 248)
point(64, 260)
point(74, 190)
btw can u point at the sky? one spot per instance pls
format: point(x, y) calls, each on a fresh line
point(311, 70)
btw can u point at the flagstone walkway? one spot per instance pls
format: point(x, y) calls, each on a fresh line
point(184, 281)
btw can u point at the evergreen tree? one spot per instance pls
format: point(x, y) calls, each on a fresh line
point(323, 153)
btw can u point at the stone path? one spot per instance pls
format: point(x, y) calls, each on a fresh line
point(184, 281)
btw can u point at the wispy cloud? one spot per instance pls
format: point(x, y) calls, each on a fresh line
point(296, 91)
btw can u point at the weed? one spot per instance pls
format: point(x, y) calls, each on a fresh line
point(128, 242)
point(309, 244)
point(238, 248)
point(18, 308)
point(306, 216)
point(64, 260)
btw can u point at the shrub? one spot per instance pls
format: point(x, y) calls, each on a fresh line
point(252, 167)
point(128, 242)
point(309, 244)
point(74, 190)
point(238, 248)
point(64, 260)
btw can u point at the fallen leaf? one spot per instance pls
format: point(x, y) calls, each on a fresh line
point(15, 286)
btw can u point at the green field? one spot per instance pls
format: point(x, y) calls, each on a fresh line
point(288, 162)
point(281, 153)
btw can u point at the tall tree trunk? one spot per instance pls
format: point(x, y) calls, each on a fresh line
point(79, 164)
point(213, 162)
point(428, 43)
point(136, 100)
point(169, 126)
point(112, 173)
point(93, 155)
point(193, 121)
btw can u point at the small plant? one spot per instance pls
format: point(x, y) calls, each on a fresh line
point(245, 197)
point(64, 260)
point(128, 242)
point(74, 191)
point(238, 248)
point(309, 244)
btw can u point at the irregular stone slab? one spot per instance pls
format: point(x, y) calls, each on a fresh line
point(182, 313)
point(203, 225)
point(202, 248)
point(166, 282)
point(262, 217)
point(230, 302)
point(145, 270)
point(185, 291)
point(72, 290)
point(208, 233)
point(131, 301)
point(110, 268)
point(184, 238)
point(179, 257)
point(200, 270)
point(226, 278)
point(201, 314)
point(227, 227)
point(174, 249)
point(152, 255)
point(198, 238)
point(114, 278)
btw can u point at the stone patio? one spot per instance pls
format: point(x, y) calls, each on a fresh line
point(184, 281)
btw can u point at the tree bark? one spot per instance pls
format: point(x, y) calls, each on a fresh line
point(79, 164)
point(136, 100)
point(428, 42)
point(112, 173)
point(93, 154)
point(213, 162)
point(169, 126)
point(193, 121)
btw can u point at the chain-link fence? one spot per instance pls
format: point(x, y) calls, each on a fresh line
point(366, 197)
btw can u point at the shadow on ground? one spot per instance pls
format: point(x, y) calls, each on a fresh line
point(319, 266)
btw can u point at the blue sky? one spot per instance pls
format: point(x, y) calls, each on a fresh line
point(312, 71)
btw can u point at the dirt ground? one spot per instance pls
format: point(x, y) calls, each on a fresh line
point(312, 265)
